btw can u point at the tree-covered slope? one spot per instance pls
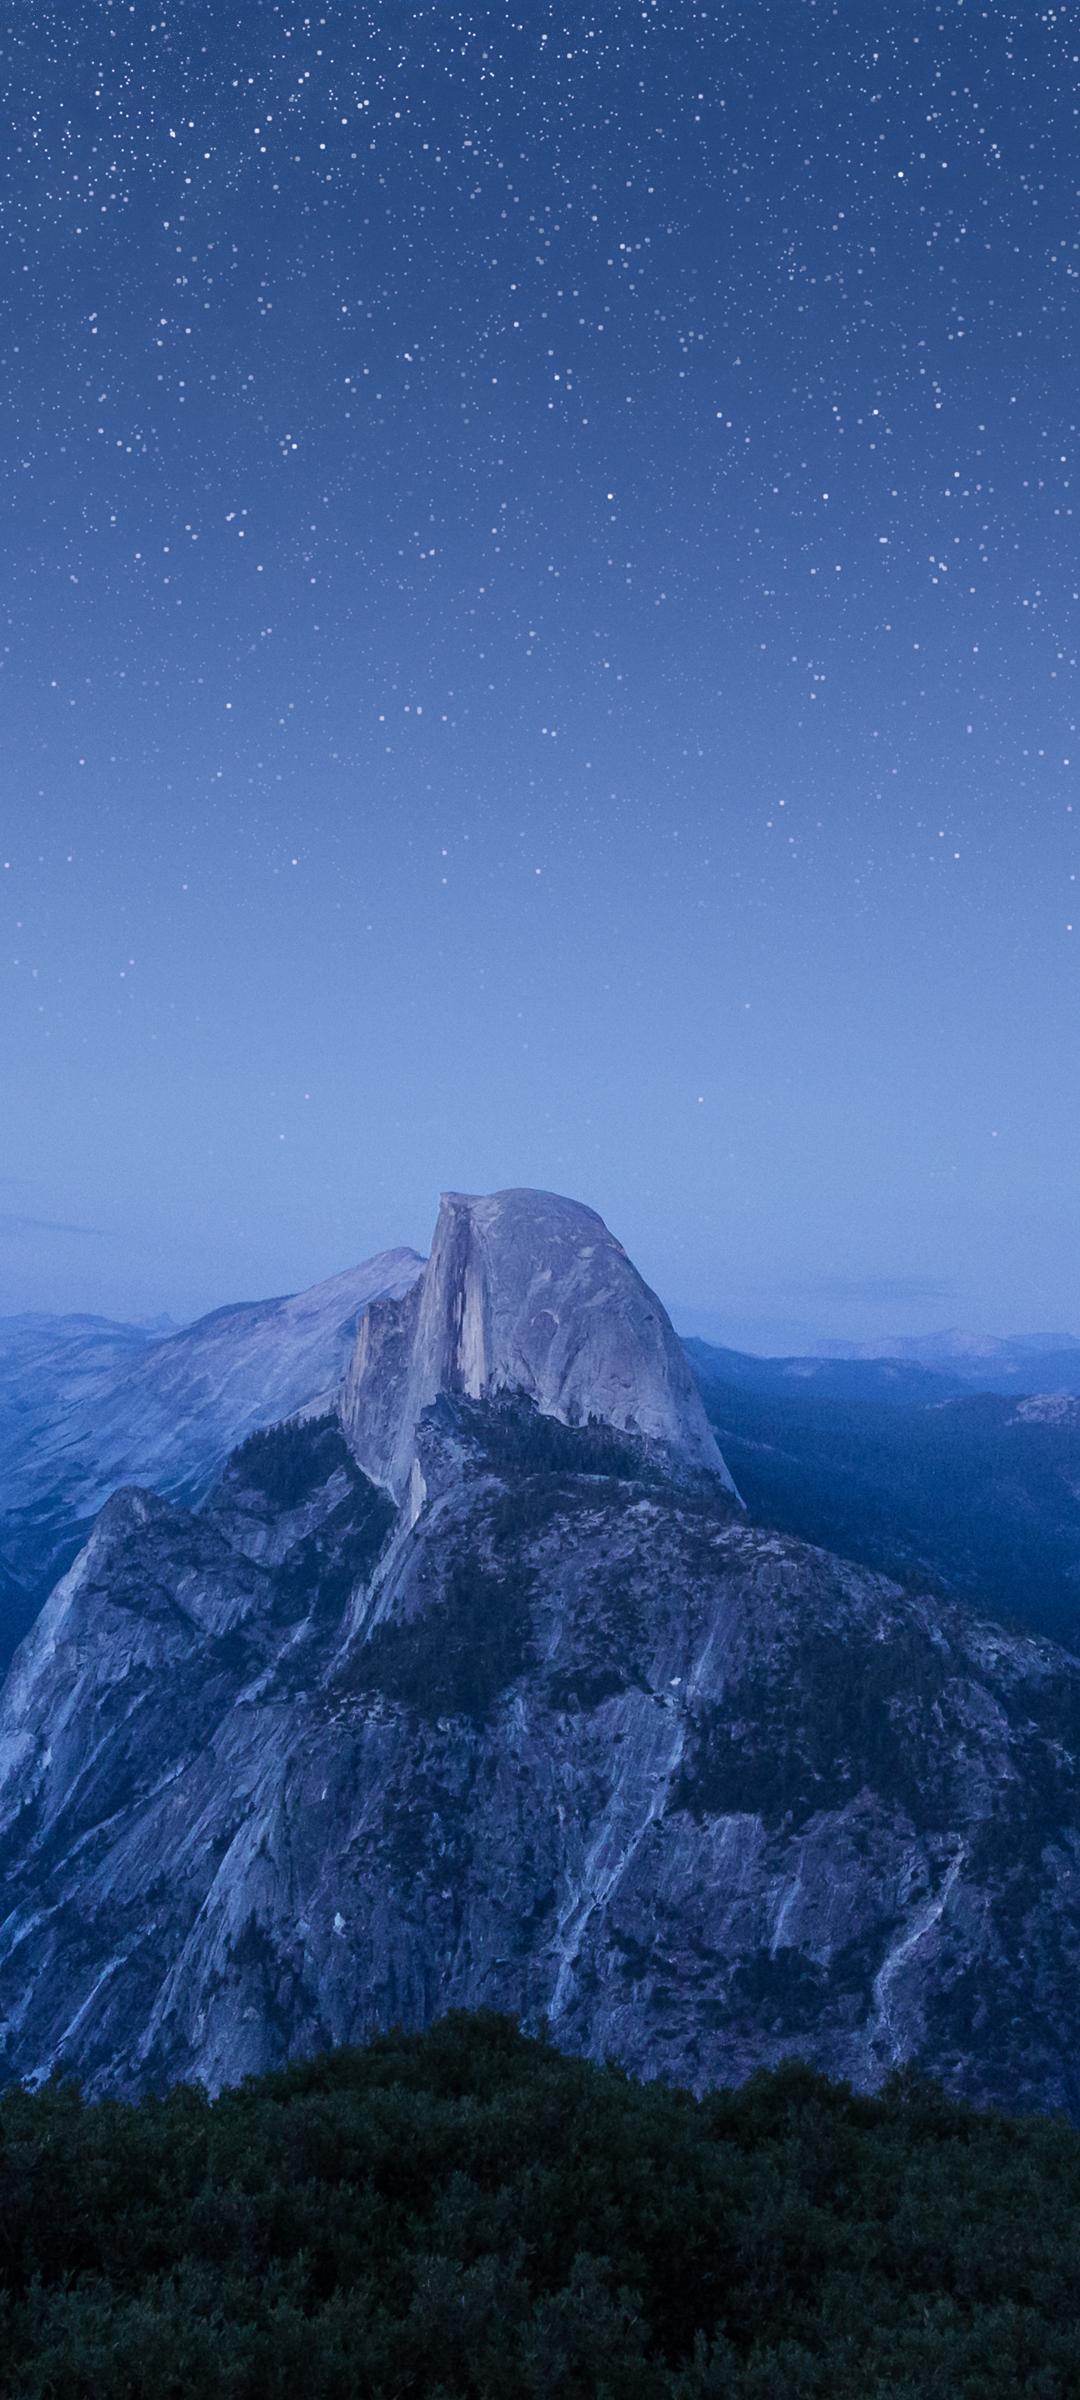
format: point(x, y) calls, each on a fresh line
point(467, 2215)
point(976, 1494)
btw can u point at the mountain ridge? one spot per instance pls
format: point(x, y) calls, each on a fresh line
point(593, 1751)
point(85, 1416)
point(529, 1292)
point(554, 1730)
point(62, 1380)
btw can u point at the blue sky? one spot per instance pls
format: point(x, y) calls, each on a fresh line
point(540, 647)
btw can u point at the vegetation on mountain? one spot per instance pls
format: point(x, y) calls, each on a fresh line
point(516, 1439)
point(468, 2215)
point(967, 1497)
point(458, 1658)
point(286, 1463)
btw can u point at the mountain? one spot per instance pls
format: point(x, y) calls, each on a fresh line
point(537, 1721)
point(971, 1494)
point(923, 1367)
point(929, 1349)
point(47, 1361)
point(88, 1405)
point(983, 1362)
point(529, 1293)
point(890, 1381)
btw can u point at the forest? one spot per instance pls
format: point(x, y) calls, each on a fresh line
point(467, 2214)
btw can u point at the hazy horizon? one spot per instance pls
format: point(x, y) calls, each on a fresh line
point(747, 1322)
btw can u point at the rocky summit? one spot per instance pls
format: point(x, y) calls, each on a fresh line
point(481, 1690)
point(529, 1293)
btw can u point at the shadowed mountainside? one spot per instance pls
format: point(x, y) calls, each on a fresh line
point(976, 1495)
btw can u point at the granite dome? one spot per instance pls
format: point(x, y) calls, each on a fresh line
point(524, 1292)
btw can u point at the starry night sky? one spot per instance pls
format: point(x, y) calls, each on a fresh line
point(540, 645)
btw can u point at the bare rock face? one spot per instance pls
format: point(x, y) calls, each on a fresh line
point(527, 1716)
point(528, 1293)
point(577, 1744)
point(92, 1408)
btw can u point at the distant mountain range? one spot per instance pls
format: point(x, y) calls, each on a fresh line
point(985, 1362)
point(892, 1382)
point(891, 1369)
point(483, 1687)
point(972, 1493)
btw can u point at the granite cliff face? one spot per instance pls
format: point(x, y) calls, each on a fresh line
point(529, 1293)
point(90, 1406)
point(562, 1734)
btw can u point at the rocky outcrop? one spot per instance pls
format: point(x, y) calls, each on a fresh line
point(579, 1744)
point(529, 1293)
point(93, 1407)
point(501, 1701)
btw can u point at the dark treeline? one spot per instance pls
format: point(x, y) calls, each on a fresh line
point(966, 1498)
point(516, 1438)
point(466, 2215)
point(287, 1462)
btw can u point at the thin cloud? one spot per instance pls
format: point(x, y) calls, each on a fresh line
point(12, 1227)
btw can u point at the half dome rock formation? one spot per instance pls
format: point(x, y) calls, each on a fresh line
point(565, 1735)
point(578, 1744)
point(525, 1293)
